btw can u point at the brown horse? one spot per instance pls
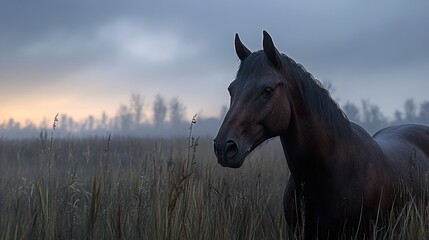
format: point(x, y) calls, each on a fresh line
point(340, 175)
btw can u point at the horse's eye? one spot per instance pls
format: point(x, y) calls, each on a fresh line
point(268, 91)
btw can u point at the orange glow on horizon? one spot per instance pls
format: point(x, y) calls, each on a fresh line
point(45, 110)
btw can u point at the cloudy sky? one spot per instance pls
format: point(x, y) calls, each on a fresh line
point(82, 57)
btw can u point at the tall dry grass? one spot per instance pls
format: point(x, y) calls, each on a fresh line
point(130, 188)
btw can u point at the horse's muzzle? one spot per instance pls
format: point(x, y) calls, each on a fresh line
point(227, 153)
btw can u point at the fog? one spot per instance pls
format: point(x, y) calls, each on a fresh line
point(168, 118)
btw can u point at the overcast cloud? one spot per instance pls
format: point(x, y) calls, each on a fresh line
point(82, 57)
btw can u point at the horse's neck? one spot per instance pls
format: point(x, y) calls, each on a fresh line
point(305, 154)
point(312, 151)
point(317, 143)
point(314, 155)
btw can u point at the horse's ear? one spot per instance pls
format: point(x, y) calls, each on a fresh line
point(270, 50)
point(242, 51)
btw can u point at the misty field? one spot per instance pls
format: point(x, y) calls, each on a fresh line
point(136, 188)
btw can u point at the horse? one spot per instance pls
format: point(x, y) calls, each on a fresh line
point(340, 175)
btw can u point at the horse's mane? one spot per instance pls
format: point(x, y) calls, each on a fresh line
point(319, 100)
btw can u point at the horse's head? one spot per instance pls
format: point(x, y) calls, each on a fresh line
point(259, 107)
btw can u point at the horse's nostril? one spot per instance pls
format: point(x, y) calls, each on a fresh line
point(231, 149)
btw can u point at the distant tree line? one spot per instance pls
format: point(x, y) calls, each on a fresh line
point(372, 118)
point(168, 119)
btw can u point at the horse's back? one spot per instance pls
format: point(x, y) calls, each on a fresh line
point(417, 136)
point(407, 149)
